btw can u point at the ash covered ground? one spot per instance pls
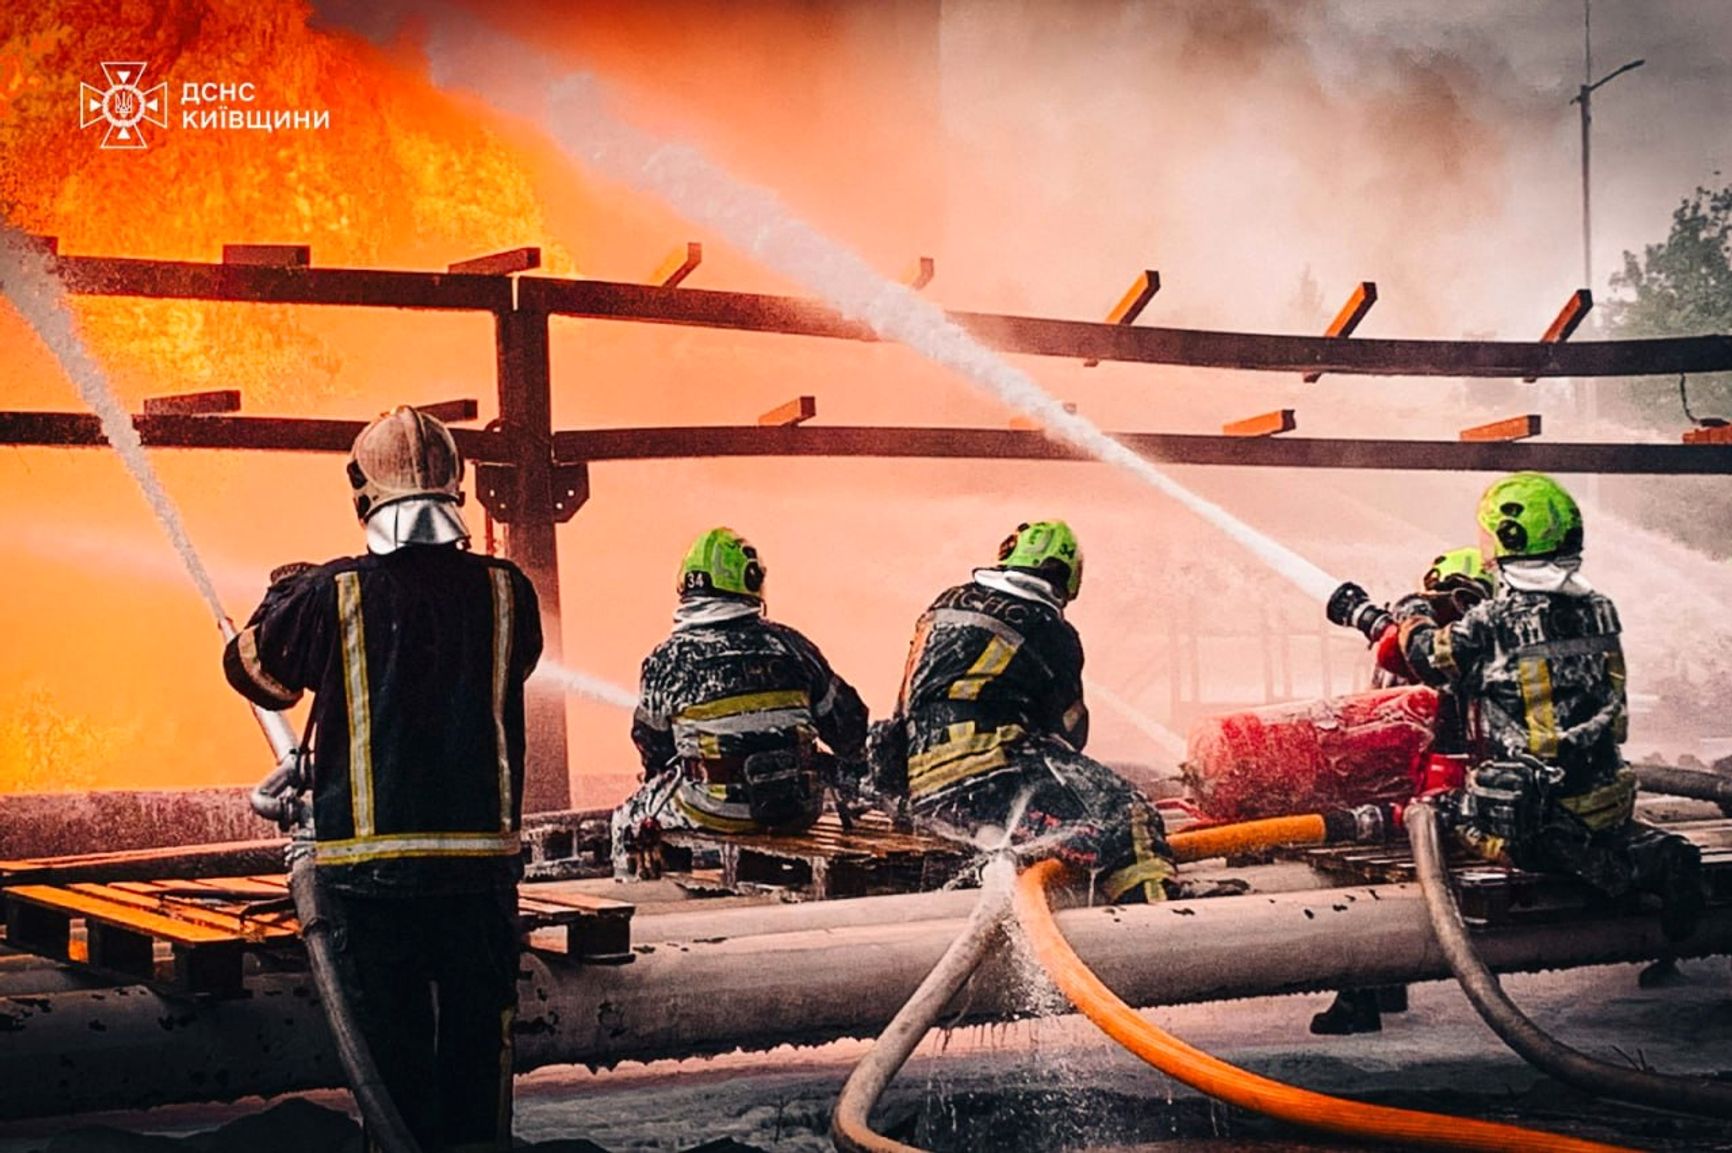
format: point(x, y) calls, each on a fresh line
point(1057, 1084)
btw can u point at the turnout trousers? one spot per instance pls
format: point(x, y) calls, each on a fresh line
point(1066, 805)
point(433, 982)
point(1614, 853)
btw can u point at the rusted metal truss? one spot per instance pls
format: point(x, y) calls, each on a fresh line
point(533, 478)
point(497, 447)
point(756, 312)
point(1194, 348)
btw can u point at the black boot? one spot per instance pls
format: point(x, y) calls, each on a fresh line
point(1660, 974)
point(1392, 998)
point(1354, 1011)
point(1681, 893)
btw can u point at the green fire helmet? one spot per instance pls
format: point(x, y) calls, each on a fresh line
point(1456, 566)
point(1528, 514)
point(1048, 548)
point(722, 561)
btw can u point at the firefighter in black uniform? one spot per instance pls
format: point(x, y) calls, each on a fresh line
point(416, 654)
point(730, 711)
point(1540, 670)
point(1456, 581)
point(991, 724)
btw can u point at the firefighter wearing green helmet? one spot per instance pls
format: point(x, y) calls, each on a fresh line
point(990, 724)
point(1454, 582)
point(1539, 670)
point(731, 709)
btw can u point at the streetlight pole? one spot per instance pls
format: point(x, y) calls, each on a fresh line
point(1584, 97)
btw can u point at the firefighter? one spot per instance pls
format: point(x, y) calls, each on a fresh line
point(1539, 669)
point(730, 711)
point(991, 724)
point(416, 654)
point(1456, 581)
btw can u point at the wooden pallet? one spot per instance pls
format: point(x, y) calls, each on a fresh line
point(192, 937)
point(823, 862)
point(597, 929)
point(136, 932)
point(1491, 894)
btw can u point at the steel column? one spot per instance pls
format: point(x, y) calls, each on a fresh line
point(526, 414)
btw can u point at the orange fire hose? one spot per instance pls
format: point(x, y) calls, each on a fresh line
point(1236, 1086)
point(1243, 836)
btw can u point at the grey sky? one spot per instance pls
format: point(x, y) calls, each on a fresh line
point(1658, 132)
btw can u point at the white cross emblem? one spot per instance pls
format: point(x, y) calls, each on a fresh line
point(124, 106)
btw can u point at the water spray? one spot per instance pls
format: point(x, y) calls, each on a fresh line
point(28, 280)
point(574, 111)
point(576, 683)
point(1165, 739)
point(30, 283)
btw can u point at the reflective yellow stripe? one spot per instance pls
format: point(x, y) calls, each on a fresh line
point(1149, 873)
point(713, 822)
point(247, 646)
point(1536, 681)
point(1147, 869)
point(967, 753)
point(993, 660)
point(745, 703)
point(1615, 673)
point(357, 850)
point(1443, 650)
point(355, 692)
point(501, 671)
point(1483, 845)
point(1608, 806)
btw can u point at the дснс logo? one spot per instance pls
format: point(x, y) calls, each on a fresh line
point(124, 105)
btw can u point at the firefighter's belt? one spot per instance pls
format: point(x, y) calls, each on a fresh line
point(965, 752)
point(1608, 806)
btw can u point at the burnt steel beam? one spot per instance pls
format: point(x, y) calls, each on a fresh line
point(266, 433)
point(1171, 448)
point(289, 434)
point(755, 312)
point(277, 284)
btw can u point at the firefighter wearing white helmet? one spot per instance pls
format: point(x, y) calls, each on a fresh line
point(416, 653)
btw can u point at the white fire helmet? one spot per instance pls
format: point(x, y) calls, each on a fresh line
point(402, 455)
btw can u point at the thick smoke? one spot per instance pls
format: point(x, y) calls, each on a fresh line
point(574, 111)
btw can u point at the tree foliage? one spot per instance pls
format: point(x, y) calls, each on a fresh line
point(1681, 286)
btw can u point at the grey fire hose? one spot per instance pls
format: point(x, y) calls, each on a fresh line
point(1693, 783)
point(277, 798)
point(385, 1125)
point(850, 1126)
point(1550, 1056)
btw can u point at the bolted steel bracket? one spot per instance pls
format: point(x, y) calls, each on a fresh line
point(570, 489)
point(498, 490)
